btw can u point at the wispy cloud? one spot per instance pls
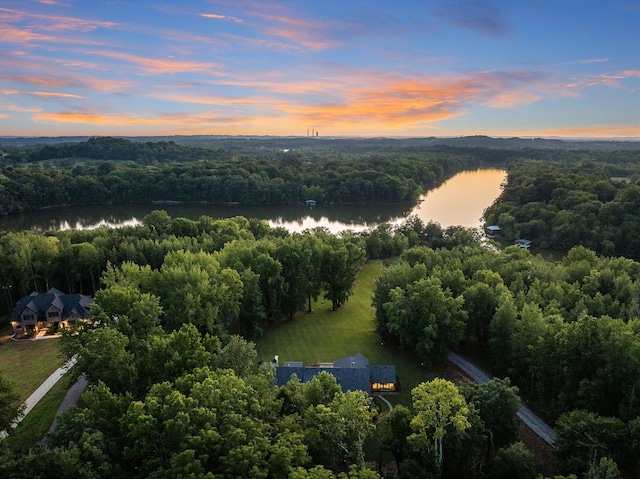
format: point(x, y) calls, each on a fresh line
point(54, 3)
point(311, 35)
point(608, 79)
point(52, 94)
point(215, 16)
point(53, 81)
point(52, 22)
point(46, 94)
point(159, 65)
point(403, 102)
point(19, 108)
point(9, 34)
point(94, 118)
point(478, 16)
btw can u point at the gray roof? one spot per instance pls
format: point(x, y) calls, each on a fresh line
point(352, 373)
point(39, 303)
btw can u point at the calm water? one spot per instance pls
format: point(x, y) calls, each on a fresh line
point(461, 200)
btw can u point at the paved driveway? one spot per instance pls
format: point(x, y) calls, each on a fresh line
point(537, 425)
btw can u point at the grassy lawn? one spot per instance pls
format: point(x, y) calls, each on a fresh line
point(28, 363)
point(36, 424)
point(326, 335)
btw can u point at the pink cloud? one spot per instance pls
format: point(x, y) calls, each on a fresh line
point(158, 65)
point(51, 94)
point(54, 23)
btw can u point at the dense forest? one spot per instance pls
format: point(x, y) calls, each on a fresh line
point(562, 204)
point(177, 300)
point(121, 171)
point(175, 390)
point(285, 171)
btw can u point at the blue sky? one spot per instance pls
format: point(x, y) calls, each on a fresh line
point(568, 68)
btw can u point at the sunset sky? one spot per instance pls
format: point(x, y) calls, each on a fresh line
point(568, 68)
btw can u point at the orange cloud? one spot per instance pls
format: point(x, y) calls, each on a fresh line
point(202, 119)
point(405, 102)
point(509, 99)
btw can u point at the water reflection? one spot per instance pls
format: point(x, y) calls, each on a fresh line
point(459, 201)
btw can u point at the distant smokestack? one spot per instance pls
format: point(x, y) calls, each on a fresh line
point(312, 133)
point(316, 133)
point(307, 131)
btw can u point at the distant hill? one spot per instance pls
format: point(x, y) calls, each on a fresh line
point(243, 143)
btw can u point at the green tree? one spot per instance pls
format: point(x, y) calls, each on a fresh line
point(395, 431)
point(346, 422)
point(238, 355)
point(425, 318)
point(296, 264)
point(497, 404)
point(208, 423)
point(340, 261)
point(440, 408)
point(583, 435)
point(513, 461)
point(605, 468)
point(501, 328)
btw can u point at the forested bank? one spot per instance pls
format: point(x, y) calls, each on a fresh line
point(175, 293)
point(109, 170)
point(593, 202)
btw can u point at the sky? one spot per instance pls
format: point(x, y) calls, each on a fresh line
point(392, 68)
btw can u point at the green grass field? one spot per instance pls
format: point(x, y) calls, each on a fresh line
point(326, 335)
point(36, 424)
point(28, 363)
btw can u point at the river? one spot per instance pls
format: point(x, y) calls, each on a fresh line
point(460, 200)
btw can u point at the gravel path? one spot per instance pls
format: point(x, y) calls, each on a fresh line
point(537, 425)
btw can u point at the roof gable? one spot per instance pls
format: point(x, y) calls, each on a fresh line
point(39, 303)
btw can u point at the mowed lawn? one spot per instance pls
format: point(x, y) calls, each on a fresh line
point(26, 364)
point(326, 335)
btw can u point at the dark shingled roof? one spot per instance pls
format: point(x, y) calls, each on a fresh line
point(352, 373)
point(67, 303)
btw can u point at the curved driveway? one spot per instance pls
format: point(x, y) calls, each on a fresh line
point(537, 425)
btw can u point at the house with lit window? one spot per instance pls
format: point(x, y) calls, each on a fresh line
point(353, 373)
point(53, 308)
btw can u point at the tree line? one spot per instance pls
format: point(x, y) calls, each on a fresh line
point(288, 179)
point(559, 205)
